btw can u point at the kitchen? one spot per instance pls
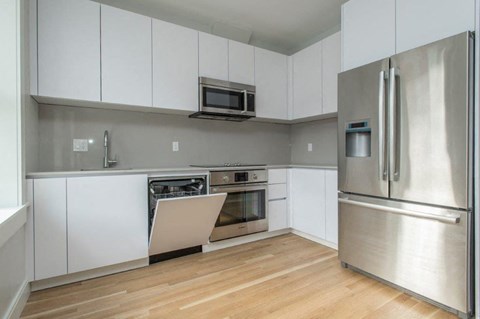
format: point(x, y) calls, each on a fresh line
point(102, 127)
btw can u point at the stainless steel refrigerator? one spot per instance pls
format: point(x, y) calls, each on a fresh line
point(405, 170)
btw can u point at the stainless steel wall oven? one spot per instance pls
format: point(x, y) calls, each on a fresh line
point(245, 208)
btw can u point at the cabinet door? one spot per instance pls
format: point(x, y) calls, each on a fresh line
point(368, 31)
point(50, 227)
point(277, 191)
point(422, 22)
point(307, 82)
point(331, 206)
point(175, 66)
point(277, 215)
point(107, 221)
point(126, 57)
point(241, 63)
point(213, 56)
point(271, 84)
point(69, 49)
point(277, 176)
point(331, 56)
point(308, 201)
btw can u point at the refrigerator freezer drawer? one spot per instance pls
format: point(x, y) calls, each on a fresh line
point(421, 249)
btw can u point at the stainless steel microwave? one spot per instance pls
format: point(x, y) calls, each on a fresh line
point(225, 100)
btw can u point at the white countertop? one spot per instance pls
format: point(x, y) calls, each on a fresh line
point(163, 171)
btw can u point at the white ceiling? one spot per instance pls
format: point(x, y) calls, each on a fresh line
point(285, 26)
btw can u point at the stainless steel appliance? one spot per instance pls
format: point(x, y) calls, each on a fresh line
point(223, 100)
point(405, 171)
point(245, 208)
point(161, 187)
point(181, 215)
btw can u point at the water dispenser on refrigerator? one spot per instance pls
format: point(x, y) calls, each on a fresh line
point(358, 139)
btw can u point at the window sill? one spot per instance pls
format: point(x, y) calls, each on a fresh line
point(11, 220)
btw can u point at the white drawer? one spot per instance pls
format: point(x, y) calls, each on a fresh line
point(277, 215)
point(277, 176)
point(277, 191)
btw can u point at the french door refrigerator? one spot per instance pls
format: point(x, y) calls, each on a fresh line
point(405, 171)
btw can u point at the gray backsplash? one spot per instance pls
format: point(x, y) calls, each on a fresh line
point(144, 140)
point(323, 136)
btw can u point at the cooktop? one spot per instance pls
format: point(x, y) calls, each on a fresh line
point(227, 165)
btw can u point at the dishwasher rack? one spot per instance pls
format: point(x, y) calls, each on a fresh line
point(160, 188)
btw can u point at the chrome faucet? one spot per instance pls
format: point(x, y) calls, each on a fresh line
point(107, 163)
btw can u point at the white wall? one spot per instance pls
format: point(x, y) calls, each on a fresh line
point(13, 93)
point(12, 272)
point(10, 109)
point(477, 159)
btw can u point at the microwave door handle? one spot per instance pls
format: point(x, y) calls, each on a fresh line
point(221, 88)
point(245, 101)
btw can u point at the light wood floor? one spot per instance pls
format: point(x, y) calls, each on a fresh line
point(281, 277)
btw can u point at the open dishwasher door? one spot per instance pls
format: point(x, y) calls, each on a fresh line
point(184, 222)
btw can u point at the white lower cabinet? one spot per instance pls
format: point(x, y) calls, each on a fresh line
point(278, 217)
point(314, 208)
point(107, 220)
point(277, 214)
point(331, 206)
point(82, 223)
point(308, 201)
point(50, 227)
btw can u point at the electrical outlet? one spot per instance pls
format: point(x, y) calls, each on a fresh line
point(175, 146)
point(80, 145)
point(310, 147)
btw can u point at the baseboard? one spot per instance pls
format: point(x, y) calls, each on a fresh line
point(19, 301)
point(88, 274)
point(315, 239)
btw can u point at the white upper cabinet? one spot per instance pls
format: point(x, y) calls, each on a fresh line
point(422, 22)
point(69, 49)
point(376, 29)
point(331, 62)
point(368, 31)
point(271, 84)
point(307, 82)
point(226, 60)
point(107, 220)
point(126, 57)
point(175, 66)
point(241, 63)
point(213, 56)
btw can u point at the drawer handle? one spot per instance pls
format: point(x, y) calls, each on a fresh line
point(455, 219)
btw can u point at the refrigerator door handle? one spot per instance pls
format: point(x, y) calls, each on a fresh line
point(453, 219)
point(382, 169)
point(392, 125)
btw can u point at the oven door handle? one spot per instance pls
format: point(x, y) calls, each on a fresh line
point(236, 188)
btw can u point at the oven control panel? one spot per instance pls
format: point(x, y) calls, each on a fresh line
point(238, 177)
